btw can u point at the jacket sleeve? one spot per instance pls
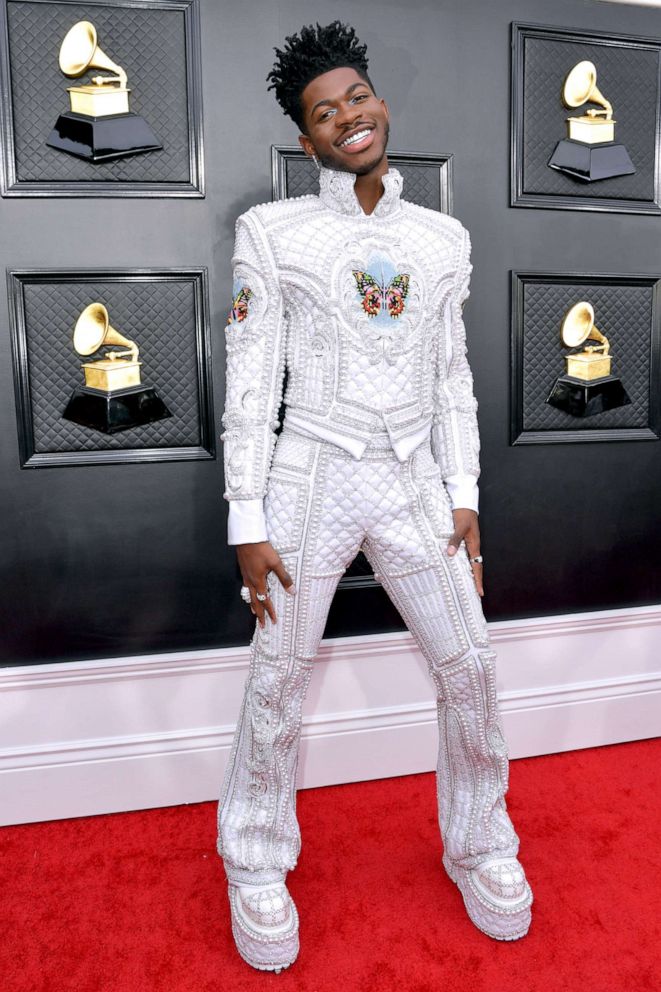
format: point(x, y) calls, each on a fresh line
point(455, 437)
point(254, 374)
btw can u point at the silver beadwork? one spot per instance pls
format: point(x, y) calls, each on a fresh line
point(264, 925)
point(304, 301)
point(375, 505)
point(379, 412)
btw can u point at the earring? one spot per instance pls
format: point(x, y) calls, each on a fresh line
point(316, 162)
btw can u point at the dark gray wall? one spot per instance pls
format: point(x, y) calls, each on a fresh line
point(566, 527)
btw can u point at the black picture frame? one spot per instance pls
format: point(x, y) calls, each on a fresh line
point(286, 158)
point(29, 388)
point(532, 182)
point(11, 182)
point(555, 290)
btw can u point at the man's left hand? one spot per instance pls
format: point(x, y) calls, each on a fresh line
point(467, 528)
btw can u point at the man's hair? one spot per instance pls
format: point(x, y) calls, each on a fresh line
point(309, 54)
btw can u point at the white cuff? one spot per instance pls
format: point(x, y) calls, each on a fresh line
point(464, 491)
point(246, 523)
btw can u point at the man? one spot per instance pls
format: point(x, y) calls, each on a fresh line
point(359, 294)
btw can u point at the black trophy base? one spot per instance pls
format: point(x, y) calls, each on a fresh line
point(114, 412)
point(585, 399)
point(101, 139)
point(591, 162)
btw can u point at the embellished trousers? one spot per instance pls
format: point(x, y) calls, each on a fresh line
point(322, 506)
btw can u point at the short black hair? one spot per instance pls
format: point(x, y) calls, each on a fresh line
point(307, 55)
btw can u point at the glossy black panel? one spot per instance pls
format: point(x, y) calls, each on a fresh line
point(587, 399)
point(101, 139)
point(114, 412)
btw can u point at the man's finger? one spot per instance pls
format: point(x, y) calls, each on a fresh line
point(258, 610)
point(455, 541)
point(270, 608)
point(477, 575)
point(284, 576)
point(256, 606)
point(472, 545)
point(265, 604)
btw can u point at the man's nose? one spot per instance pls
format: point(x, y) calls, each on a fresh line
point(347, 115)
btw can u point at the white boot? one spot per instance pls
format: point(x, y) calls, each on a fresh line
point(264, 925)
point(497, 896)
point(479, 840)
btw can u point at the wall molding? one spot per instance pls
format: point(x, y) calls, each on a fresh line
point(102, 736)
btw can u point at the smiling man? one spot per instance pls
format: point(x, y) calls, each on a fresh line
point(358, 293)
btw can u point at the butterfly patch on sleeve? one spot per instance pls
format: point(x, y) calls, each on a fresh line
point(377, 296)
point(239, 310)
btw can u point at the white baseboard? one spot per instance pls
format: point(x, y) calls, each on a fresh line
point(133, 733)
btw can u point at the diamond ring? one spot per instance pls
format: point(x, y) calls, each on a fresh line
point(478, 558)
point(245, 594)
point(261, 596)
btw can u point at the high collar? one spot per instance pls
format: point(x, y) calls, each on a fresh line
point(336, 190)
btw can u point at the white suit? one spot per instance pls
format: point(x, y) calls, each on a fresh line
point(379, 443)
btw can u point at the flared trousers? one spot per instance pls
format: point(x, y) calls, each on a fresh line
point(322, 506)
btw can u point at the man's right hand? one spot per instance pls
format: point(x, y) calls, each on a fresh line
point(256, 561)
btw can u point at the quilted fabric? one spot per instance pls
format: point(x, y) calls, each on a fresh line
point(365, 313)
point(148, 43)
point(159, 315)
point(622, 312)
point(425, 182)
point(269, 907)
point(265, 926)
point(384, 507)
point(628, 77)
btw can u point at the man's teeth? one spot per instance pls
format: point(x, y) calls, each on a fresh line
point(355, 137)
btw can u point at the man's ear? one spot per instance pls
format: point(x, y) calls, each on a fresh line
point(386, 108)
point(306, 144)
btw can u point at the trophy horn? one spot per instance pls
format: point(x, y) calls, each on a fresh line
point(93, 330)
point(80, 51)
point(578, 326)
point(581, 86)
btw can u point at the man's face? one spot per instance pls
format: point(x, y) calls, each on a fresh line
point(339, 105)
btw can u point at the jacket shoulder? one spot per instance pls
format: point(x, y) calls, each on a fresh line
point(275, 211)
point(444, 223)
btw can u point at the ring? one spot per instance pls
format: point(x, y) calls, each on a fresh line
point(245, 594)
point(478, 558)
point(261, 596)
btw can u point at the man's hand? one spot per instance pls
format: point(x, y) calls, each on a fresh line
point(256, 561)
point(467, 528)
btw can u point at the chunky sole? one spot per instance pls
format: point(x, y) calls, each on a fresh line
point(275, 968)
point(265, 952)
point(497, 922)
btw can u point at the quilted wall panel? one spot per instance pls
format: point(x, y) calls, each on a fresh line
point(624, 313)
point(149, 43)
point(161, 316)
point(627, 77)
point(426, 182)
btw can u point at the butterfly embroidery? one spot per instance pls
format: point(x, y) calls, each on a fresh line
point(239, 310)
point(376, 295)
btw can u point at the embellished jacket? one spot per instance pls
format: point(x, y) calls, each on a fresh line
point(365, 313)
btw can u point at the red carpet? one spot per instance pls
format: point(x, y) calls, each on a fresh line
point(137, 901)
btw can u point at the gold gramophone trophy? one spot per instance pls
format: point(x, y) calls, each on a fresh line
point(113, 398)
point(99, 126)
point(590, 151)
point(588, 386)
